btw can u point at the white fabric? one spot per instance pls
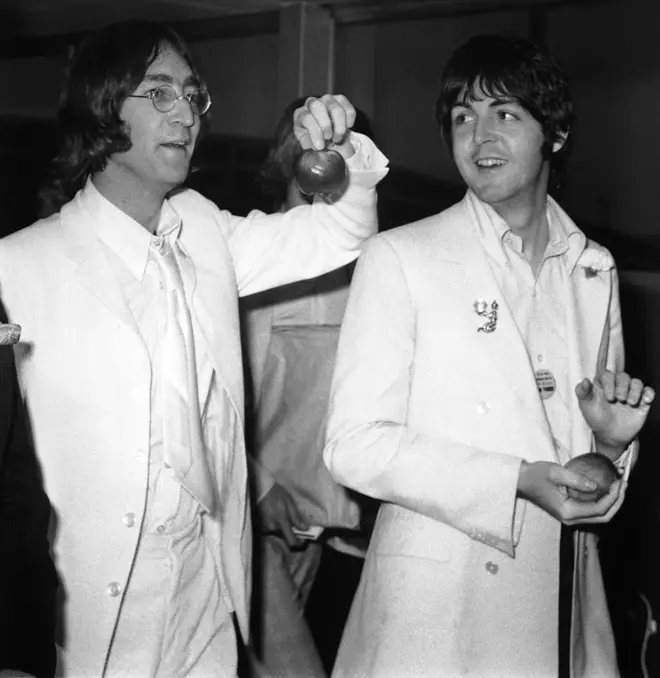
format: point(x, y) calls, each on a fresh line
point(172, 526)
point(434, 417)
point(86, 373)
point(183, 442)
point(537, 301)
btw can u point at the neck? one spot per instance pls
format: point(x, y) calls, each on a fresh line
point(137, 201)
point(527, 218)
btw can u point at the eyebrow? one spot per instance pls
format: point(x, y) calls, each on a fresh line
point(497, 101)
point(167, 79)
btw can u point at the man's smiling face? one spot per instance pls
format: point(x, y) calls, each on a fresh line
point(498, 148)
point(162, 143)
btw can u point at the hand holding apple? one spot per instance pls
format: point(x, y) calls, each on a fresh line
point(596, 467)
point(324, 123)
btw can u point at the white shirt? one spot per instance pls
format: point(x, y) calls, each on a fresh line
point(538, 304)
point(196, 604)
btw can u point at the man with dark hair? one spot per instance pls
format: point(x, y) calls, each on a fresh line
point(502, 361)
point(130, 357)
point(28, 582)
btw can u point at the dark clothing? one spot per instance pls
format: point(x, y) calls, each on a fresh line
point(566, 574)
point(28, 581)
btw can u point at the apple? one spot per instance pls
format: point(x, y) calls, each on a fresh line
point(321, 173)
point(597, 467)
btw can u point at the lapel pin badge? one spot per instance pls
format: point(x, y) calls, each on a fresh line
point(489, 313)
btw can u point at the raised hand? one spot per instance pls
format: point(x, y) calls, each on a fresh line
point(325, 123)
point(615, 406)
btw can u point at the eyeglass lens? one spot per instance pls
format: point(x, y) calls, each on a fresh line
point(164, 98)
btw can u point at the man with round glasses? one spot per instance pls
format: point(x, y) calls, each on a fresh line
point(130, 356)
point(164, 98)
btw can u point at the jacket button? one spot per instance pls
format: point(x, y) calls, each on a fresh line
point(129, 519)
point(491, 567)
point(114, 589)
point(483, 407)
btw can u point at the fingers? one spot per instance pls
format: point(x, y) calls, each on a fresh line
point(648, 396)
point(619, 387)
point(323, 121)
point(572, 479)
point(593, 512)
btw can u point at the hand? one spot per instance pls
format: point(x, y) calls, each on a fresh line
point(325, 123)
point(280, 514)
point(615, 407)
point(545, 483)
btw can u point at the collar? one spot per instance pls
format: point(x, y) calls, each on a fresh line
point(122, 234)
point(564, 236)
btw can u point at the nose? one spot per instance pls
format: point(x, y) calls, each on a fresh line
point(182, 113)
point(483, 129)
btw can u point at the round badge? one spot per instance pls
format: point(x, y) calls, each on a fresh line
point(546, 384)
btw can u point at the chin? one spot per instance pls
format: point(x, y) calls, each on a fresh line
point(491, 194)
point(174, 179)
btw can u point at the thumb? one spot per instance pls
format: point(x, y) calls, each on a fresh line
point(585, 390)
point(575, 480)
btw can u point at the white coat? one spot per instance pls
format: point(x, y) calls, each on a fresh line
point(433, 417)
point(86, 375)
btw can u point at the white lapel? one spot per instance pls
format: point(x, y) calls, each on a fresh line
point(94, 268)
point(587, 325)
point(504, 348)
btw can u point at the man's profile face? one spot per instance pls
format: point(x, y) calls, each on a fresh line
point(162, 143)
point(497, 146)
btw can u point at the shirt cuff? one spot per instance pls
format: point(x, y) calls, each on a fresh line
point(367, 156)
point(627, 460)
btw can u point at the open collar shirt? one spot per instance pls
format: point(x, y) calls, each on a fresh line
point(538, 304)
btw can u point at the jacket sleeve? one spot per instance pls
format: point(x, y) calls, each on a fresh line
point(370, 445)
point(309, 240)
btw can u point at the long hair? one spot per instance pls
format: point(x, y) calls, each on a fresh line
point(276, 172)
point(107, 66)
point(505, 67)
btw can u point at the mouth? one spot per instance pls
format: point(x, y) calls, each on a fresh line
point(176, 145)
point(489, 163)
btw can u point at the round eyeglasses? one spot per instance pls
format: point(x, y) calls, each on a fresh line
point(164, 99)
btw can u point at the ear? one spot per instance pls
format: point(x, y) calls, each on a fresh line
point(561, 141)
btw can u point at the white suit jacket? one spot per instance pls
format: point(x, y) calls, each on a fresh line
point(434, 417)
point(85, 373)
